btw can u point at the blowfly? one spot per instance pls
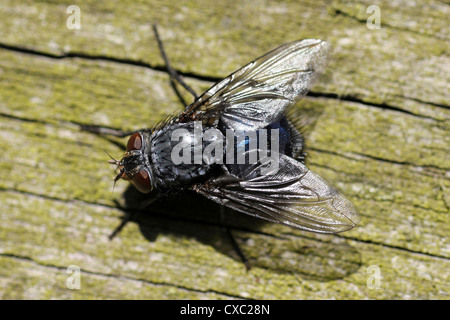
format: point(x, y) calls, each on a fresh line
point(237, 145)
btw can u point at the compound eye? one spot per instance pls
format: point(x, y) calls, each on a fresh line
point(141, 181)
point(135, 142)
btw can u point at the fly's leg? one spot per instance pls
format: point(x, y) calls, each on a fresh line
point(110, 131)
point(105, 132)
point(233, 241)
point(174, 76)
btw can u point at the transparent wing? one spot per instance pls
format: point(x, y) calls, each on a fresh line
point(294, 196)
point(258, 93)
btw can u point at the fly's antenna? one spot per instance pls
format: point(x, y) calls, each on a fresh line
point(112, 161)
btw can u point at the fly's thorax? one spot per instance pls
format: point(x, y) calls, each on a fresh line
point(177, 154)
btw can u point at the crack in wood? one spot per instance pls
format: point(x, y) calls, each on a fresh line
point(118, 277)
point(240, 229)
point(337, 11)
point(334, 96)
point(354, 157)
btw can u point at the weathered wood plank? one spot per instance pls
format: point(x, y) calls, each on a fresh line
point(192, 256)
point(403, 64)
point(377, 126)
point(50, 282)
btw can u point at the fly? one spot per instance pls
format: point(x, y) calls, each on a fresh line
point(252, 103)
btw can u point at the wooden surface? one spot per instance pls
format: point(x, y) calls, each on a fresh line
point(377, 125)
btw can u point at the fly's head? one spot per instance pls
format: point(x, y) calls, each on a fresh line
point(134, 165)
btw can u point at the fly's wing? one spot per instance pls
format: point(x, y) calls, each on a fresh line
point(294, 196)
point(258, 93)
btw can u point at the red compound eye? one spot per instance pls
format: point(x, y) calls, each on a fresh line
point(142, 182)
point(135, 142)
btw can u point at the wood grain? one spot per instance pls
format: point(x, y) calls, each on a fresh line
point(377, 124)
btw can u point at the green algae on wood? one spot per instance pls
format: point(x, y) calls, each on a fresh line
point(377, 127)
